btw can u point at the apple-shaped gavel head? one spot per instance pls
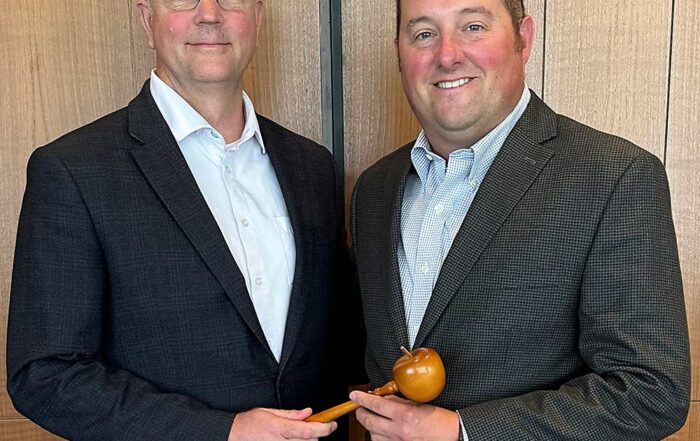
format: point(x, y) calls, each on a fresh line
point(419, 374)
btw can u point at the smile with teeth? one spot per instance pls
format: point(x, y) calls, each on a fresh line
point(453, 84)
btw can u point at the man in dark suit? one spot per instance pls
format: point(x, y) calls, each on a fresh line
point(535, 254)
point(176, 263)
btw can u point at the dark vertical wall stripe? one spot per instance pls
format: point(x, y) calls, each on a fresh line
point(332, 80)
point(544, 48)
point(669, 79)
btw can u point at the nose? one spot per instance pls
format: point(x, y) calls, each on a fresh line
point(208, 11)
point(449, 51)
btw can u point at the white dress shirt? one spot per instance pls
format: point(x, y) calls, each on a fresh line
point(241, 189)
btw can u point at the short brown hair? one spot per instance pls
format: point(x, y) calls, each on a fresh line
point(516, 9)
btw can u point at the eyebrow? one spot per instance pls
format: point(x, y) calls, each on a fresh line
point(466, 11)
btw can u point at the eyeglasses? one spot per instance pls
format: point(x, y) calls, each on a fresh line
point(188, 5)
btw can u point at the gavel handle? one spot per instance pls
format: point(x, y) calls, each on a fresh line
point(336, 412)
point(333, 413)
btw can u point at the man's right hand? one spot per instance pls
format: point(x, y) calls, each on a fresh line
point(275, 424)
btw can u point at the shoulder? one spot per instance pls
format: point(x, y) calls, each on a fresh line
point(575, 145)
point(602, 156)
point(275, 132)
point(101, 135)
point(583, 137)
point(393, 164)
point(294, 148)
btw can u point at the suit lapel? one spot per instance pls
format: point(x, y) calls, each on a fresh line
point(289, 168)
point(166, 170)
point(515, 168)
point(393, 197)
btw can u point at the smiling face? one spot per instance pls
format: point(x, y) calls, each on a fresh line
point(462, 67)
point(204, 45)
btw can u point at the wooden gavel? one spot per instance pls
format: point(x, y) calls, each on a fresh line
point(419, 375)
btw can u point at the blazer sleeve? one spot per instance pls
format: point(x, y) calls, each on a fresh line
point(57, 373)
point(633, 333)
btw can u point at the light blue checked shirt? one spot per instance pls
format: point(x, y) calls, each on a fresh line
point(435, 202)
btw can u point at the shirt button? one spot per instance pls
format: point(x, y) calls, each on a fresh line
point(439, 209)
point(245, 222)
point(259, 281)
point(424, 268)
point(228, 169)
point(473, 184)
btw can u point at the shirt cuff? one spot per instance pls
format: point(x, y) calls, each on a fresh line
point(461, 428)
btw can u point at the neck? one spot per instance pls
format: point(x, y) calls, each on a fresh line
point(220, 104)
point(443, 145)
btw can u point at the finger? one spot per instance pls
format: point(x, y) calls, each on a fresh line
point(400, 400)
point(292, 414)
point(376, 425)
point(376, 404)
point(307, 431)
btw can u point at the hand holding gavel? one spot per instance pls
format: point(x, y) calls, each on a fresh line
point(418, 375)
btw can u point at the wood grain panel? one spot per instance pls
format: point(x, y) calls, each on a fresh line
point(535, 67)
point(377, 116)
point(607, 65)
point(683, 163)
point(15, 139)
point(284, 79)
point(23, 430)
point(65, 66)
point(691, 429)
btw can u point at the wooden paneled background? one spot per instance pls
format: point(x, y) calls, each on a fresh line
point(630, 68)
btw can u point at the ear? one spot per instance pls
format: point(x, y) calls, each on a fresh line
point(259, 12)
point(398, 54)
point(146, 15)
point(527, 36)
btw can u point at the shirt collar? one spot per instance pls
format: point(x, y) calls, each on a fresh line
point(184, 120)
point(485, 150)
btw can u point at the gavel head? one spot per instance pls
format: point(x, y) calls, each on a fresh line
point(420, 375)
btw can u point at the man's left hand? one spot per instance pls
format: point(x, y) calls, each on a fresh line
point(393, 418)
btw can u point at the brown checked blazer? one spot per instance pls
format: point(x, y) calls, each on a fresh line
point(129, 318)
point(559, 309)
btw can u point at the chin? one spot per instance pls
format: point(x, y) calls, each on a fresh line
point(452, 124)
point(212, 77)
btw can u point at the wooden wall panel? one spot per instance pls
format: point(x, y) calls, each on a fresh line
point(377, 116)
point(683, 163)
point(691, 429)
point(23, 430)
point(535, 66)
point(284, 80)
point(607, 65)
point(14, 139)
